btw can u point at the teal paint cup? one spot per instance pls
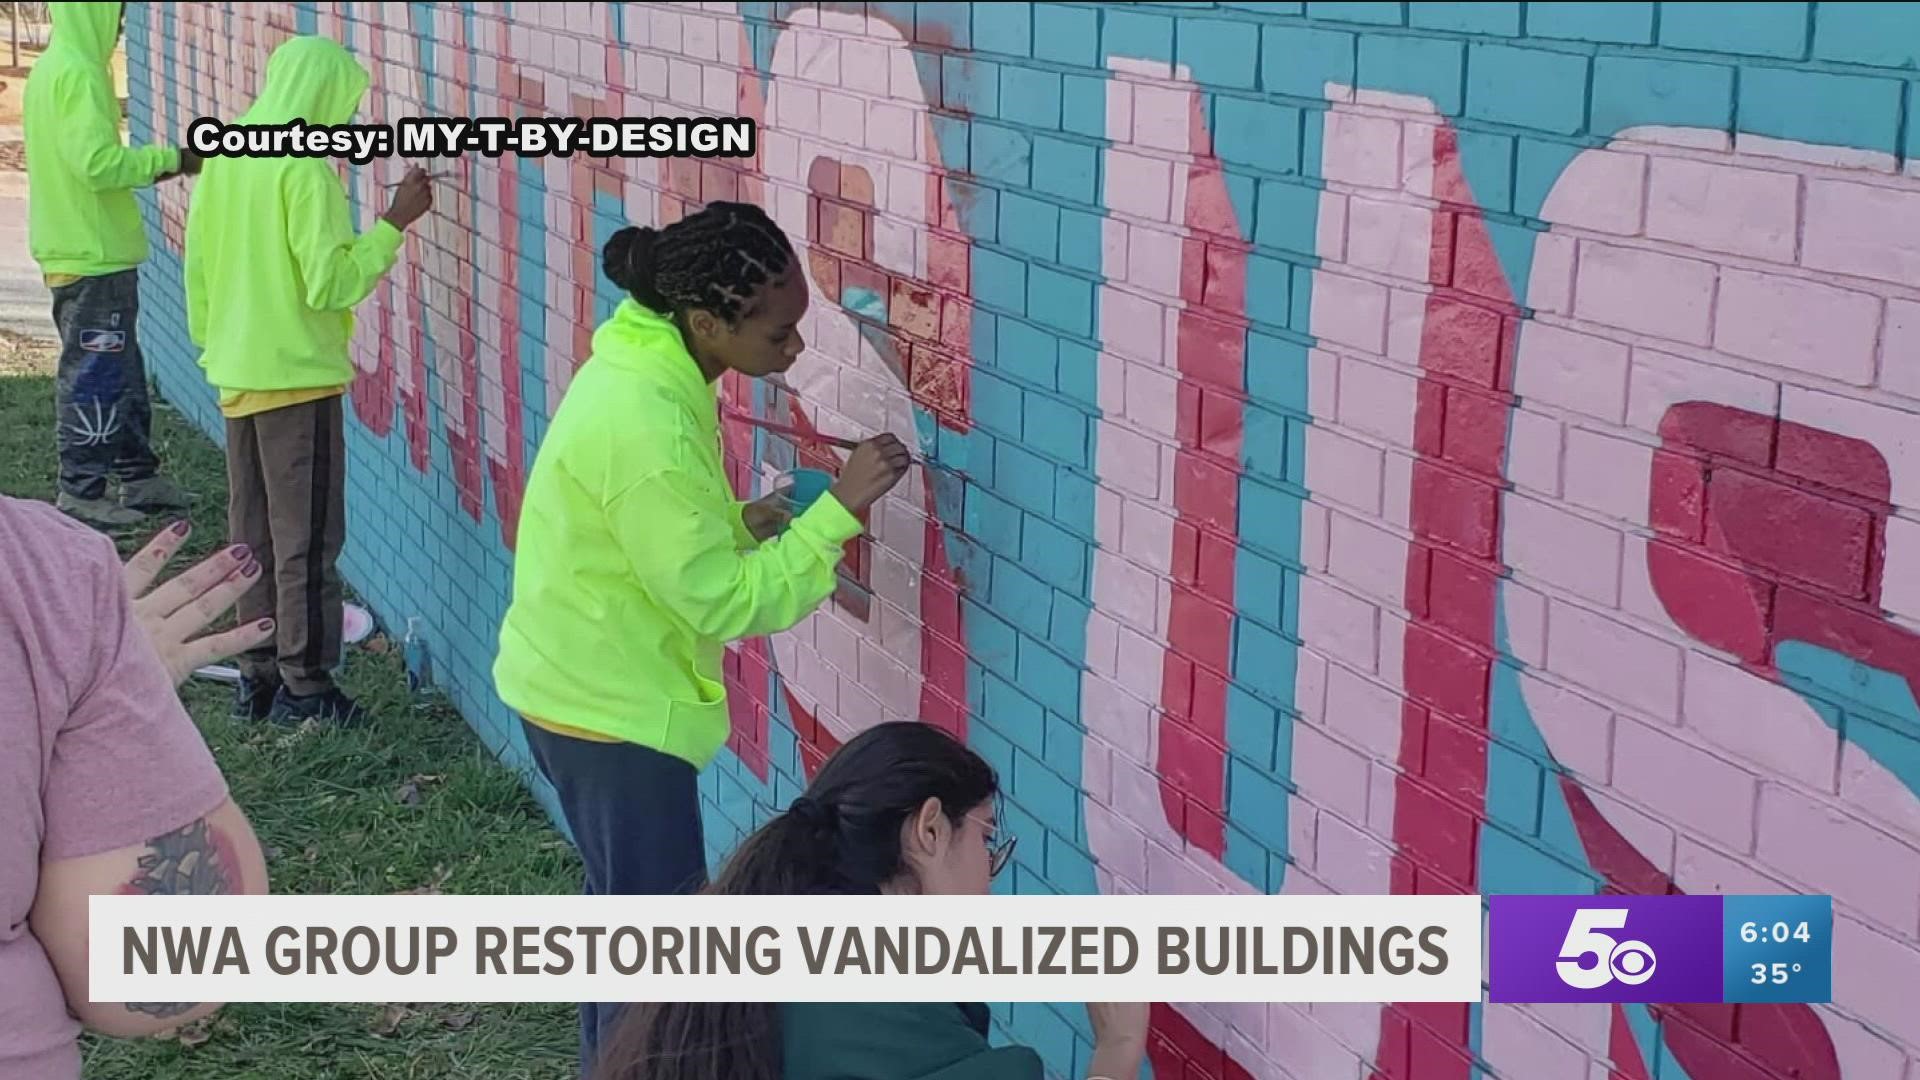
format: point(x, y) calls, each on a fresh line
point(804, 488)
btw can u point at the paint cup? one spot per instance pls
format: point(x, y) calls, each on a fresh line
point(803, 488)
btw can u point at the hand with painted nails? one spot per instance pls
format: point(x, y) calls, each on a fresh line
point(175, 612)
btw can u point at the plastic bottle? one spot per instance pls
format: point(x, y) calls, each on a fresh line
point(413, 648)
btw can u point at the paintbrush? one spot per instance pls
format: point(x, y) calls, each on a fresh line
point(430, 176)
point(787, 429)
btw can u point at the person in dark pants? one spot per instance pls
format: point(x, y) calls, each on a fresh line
point(636, 564)
point(85, 232)
point(274, 270)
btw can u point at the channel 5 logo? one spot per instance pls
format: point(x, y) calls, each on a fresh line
point(1604, 949)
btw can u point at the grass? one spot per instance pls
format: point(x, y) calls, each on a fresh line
point(412, 803)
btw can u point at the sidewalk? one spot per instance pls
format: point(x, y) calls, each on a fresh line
point(25, 306)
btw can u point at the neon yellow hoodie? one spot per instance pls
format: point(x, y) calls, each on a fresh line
point(273, 267)
point(633, 568)
point(82, 219)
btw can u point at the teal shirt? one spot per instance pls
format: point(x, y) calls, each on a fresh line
point(898, 1041)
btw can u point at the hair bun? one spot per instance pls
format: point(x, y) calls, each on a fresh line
point(627, 259)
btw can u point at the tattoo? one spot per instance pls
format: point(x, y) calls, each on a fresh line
point(186, 862)
point(193, 861)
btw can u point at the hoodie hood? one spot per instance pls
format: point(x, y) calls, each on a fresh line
point(91, 30)
point(311, 79)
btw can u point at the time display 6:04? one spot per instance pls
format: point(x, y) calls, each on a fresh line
point(1779, 932)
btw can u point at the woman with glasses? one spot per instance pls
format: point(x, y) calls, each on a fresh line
point(903, 808)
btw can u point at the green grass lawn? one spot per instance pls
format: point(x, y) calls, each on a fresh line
point(412, 803)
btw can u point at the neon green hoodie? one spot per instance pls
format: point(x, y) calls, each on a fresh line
point(81, 215)
point(273, 268)
point(633, 568)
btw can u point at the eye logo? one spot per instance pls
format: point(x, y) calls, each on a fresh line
point(1590, 959)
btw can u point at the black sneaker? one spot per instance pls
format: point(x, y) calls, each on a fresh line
point(253, 700)
point(329, 707)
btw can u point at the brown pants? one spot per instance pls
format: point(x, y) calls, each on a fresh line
point(286, 477)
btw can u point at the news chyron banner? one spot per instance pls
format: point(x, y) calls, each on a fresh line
point(1202, 949)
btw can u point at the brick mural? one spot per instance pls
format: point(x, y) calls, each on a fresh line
point(1367, 447)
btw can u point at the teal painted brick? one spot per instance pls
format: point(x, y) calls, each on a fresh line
point(970, 84)
point(1079, 244)
point(1619, 23)
point(1051, 679)
point(1045, 794)
point(1248, 859)
point(1069, 630)
point(1820, 107)
point(1264, 450)
point(1084, 105)
point(1361, 11)
point(1063, 746)
point(1001, 153)
point(1019, 596)
point(1057, 430)
point(943, 20)
point(1061, 301)
point(1262, 662)
point(1269, 281)
point(1026, 479)
point(1137, 34)
point(1073, 498)
point(1515, 801)
point(1259, 134)
point(1467, 18)
point(1030, 96)
point(1222, 53)
point(1031, 227)
point(1770, 29)
point(1003, 28)
point(1018, 717)
point(1285, 215)
point(1429, 67)
point(1300, 61)
point(1266, 7)
point(1028, 351)
point(1253, 729)
point(1531, 88)
point(1882, 35)
point(999, 281)
point(1487, 160)
point(1069, 170)
point(1259, 802)
point(1631, 91)
point(1066, 35)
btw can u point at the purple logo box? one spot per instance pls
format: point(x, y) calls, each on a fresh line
point(1604, 949)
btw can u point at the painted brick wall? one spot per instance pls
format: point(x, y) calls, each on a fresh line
point(1371, 446)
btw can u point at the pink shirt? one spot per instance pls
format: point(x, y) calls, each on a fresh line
point(98, 753)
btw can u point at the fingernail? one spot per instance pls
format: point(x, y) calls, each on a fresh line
point(252, 569)
point(180, 528)
point(239, 551)
point(265, 624)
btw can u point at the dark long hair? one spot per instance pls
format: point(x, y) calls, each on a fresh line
point(842, 836)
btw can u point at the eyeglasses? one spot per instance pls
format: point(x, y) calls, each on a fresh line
point(999, 852)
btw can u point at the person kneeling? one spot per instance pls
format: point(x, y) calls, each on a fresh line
point(903, 808)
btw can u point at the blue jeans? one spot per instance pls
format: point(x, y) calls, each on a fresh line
point(635, 818)
point(105, 417)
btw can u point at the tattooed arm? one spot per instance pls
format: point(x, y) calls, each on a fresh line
point(213, 855)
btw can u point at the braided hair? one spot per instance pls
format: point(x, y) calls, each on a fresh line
point(713, 260)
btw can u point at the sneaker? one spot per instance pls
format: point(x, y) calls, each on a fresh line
point(155, 493)
point(329, 707)
point(103, 513)
point(253, 700)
